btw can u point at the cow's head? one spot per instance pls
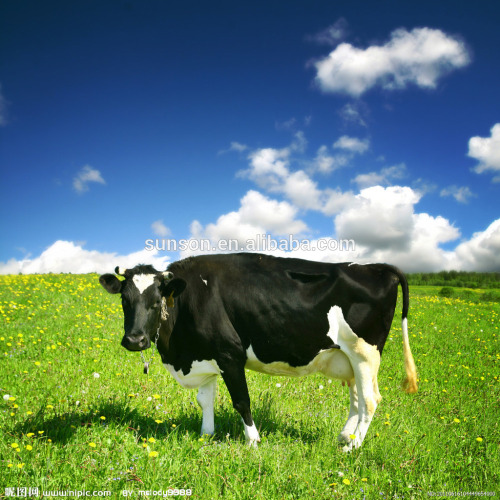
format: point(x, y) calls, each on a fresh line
point(144, 291)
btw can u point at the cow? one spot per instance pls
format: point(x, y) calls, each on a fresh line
point(216, 315)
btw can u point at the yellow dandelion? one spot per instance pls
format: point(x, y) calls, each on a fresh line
point(156, 396)
point(30, 434)
point(92, 445)
point(479, 439)
point(15, 445)
point(352, 436)
point(159, 421)
point(174, 426)
point(144, 445)
point(20, 466)
point(152, 440)
point(456, 420)
point(153, 454)
point(29, 447)
point(364, 479)
point(346, 481)
point(103, 418)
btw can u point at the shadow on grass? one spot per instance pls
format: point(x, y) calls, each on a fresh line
point(61, 428)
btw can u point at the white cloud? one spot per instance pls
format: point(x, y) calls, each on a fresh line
point(268, 167)
point(336, 200)
point(160, 229)
point(351, 113)
point(386, 228)
point(87, 175)
point(237, 146)
point(301, 190)
point(70, 257)
point(234, 146)
point(325, 162)
point(419, 57)
point(379, 218)
point(481, 253)
point(257, 215)
point(352, 144)
point(330, 35)
point(383, 177)
point(461, 194)
point(487, 151)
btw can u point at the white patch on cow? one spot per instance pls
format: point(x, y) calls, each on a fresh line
point(330, 362)
point(143, 281)
point(200, 373)
point(121, 270)
point(251, 434)
point(365, 361)
point(204, 281)
point(206, 399)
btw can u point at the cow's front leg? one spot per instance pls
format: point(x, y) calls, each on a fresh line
point(206, 399)
point(234, 377)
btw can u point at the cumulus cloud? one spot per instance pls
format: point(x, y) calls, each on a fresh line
point(379, 218)
point(462, 194)
point(87, 175)
point(383, 177)
point(481, 253)
point(69, 257)
point(419, 57)
point(352, 144)
point(331, 35)
point(352, 114)
point(234, 146)
point(160, 229)
point(257, 215)
point(386, 228)
point(487, 151)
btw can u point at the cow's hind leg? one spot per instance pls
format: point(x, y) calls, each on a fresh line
point(364, 359)
point(365, 362)
point(206, 399)
point(352, 419)
point(234, 377)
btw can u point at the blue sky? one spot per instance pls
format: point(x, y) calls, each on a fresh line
point(125, 120)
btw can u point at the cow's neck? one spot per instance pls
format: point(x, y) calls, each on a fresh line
point(166, 328)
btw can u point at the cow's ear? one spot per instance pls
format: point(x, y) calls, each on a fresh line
point(110, 283)
point(174, 287)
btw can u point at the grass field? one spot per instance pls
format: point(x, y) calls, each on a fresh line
point(77, 413)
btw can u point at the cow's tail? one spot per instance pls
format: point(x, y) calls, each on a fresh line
point(410, 382)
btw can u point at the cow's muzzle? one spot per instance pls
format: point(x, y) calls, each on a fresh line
point(138, 342)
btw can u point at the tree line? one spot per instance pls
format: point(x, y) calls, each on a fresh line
point(460, 279)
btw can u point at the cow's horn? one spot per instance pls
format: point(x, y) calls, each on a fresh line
point(120, 270)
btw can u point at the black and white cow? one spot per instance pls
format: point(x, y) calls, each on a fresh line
point(281, 316)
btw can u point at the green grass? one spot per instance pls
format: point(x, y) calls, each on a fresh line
point(66, 429)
